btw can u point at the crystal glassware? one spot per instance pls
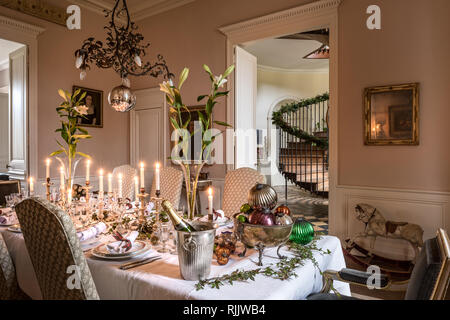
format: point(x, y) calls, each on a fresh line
point(164, 231)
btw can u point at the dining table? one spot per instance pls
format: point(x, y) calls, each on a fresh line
point(162, 280)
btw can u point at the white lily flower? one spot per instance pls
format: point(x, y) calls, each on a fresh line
point(219, 81)
point(81, 110)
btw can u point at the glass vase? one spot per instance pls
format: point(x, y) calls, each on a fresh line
point(69, 167)
point(191, 171)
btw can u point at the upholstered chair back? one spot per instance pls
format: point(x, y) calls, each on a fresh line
point(7, 188)
point(171, 183)
point(426, 272)
point(54, 249)
point(128, 174)
point(9, 289)
point(237, 184)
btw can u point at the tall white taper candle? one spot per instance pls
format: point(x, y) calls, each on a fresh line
point(142, 175)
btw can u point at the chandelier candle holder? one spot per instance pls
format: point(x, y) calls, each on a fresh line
point(121, 52)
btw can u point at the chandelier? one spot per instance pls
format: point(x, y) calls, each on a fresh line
point(122, 52)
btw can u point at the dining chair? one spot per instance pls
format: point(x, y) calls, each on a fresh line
point(55, 252)
point(9, 288)
point(237, 184)
point(429, 278)
point(171, 184)
point(7, 188)
point(128, 174)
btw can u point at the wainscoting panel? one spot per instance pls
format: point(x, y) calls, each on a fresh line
point(428, 209)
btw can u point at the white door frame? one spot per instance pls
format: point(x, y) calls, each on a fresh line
point(27, 34)
point(319, 14)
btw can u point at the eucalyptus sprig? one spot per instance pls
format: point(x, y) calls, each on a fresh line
point(284, 269)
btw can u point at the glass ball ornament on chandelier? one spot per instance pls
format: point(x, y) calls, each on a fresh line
point(121, 98)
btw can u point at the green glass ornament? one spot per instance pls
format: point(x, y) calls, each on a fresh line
point(302, 232)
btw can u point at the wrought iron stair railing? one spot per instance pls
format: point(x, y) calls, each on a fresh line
point(303, 143)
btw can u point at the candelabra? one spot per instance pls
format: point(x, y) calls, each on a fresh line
point(142, 195)
point(157, 201)
point(87, 188)
point(47, 187)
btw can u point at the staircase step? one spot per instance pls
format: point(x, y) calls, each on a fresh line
point(301, 160)
point(305, 169)
point(293, 151)
point(303, 146)
point(315, 177)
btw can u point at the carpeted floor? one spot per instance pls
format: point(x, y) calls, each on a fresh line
point(304, 205)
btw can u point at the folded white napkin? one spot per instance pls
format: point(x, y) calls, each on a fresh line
point(92, 232)
point(120, 246)
point(219, 216)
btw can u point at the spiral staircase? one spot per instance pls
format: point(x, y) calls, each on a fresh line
point(303, 145)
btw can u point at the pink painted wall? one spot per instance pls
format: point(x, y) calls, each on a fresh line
point(412, 46)
point(56, 69)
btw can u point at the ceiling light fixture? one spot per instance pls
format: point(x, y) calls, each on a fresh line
point(122, 52)
point(322, 53)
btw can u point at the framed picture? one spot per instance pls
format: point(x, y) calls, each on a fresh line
point(392, 115)
point(94, 102)
point(193, 110)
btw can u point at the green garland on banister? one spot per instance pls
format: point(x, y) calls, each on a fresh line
point(277, 119)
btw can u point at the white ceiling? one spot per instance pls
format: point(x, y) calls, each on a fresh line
point(287, 54)
point(6, 47)
point(139, 9)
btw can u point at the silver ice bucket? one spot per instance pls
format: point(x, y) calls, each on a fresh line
point(195, 251)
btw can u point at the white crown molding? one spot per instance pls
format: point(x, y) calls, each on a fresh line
point(289, 14)
point(23, 27)
point(144, 10)
point(283, 70)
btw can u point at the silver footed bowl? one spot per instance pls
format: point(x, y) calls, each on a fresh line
point(260, 237)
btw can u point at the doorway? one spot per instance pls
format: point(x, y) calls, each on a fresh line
point(314, 16)
point(13, 110)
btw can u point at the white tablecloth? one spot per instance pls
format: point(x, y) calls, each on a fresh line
point(162, 280)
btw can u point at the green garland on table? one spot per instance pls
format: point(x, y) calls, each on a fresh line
point(282, 270)
point(277, 119)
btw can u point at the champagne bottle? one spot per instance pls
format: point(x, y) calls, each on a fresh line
point(179, 223)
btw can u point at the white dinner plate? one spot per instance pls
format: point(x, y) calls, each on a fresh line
point(139, 248)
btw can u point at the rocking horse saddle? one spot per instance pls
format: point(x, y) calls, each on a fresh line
point(391, 226)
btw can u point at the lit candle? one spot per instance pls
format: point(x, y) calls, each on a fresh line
point(120, 186)
point(136, 188)
point(47, 168)
point(142, 175)
point(62, 184)
point(69, 196)
point(31, 185)
point(210, 202)
point(88, 164)
point(157, 176)
point(100, 184)
point(109, 182)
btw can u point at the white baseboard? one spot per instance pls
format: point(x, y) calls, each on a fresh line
point(429, 209)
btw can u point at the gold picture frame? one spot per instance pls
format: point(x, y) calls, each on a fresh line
point(391, 115)
point(94, 120)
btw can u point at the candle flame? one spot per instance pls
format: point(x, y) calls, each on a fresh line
point(120, 176)
point(141, 165)
point(101, 172)
point(210, 191)
point(157, 165)
point(31, 179)
point(88, 162)
point(48, 161)
point(136, 179)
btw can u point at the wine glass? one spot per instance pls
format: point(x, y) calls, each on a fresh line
point(164, 230)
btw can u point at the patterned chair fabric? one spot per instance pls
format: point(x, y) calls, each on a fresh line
point(9, 289)
point(7, 188)
point(237, 184)
point(171, 183)
point(128, 174)
point(54, 249)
